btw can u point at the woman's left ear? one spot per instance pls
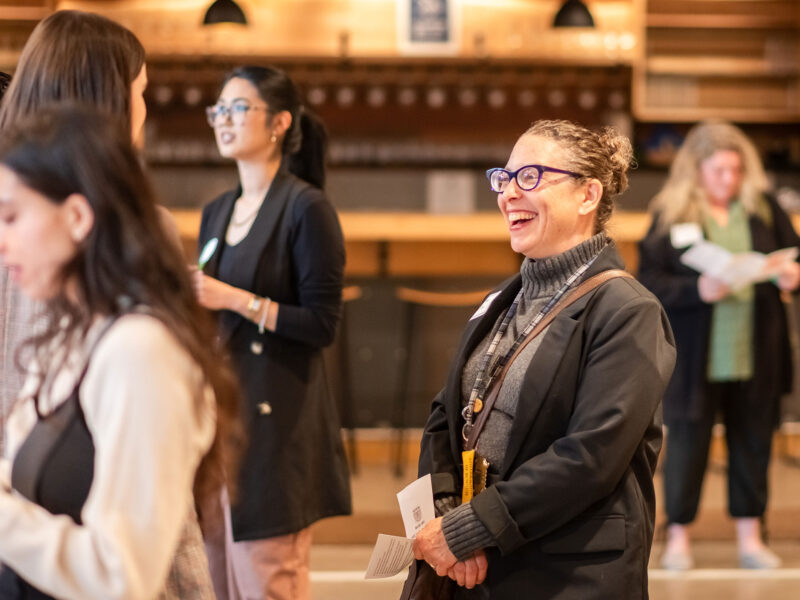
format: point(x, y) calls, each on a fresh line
point(593, 192)
point(79, 216)
point(281, 122)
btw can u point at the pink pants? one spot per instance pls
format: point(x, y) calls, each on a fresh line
point(275, 568)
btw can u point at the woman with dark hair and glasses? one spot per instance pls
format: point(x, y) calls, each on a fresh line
point(543, 444)
point(273, 258)
point(124, 418)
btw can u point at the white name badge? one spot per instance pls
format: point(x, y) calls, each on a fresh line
point(485, 306)
point(685, 234)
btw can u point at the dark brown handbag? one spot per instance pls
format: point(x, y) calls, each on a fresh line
point(423, 583)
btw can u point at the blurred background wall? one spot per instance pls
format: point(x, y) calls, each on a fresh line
point(421, 96)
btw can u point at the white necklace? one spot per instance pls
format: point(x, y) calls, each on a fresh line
point(238, 222)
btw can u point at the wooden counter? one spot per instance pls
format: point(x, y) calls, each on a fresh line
point(422, 244)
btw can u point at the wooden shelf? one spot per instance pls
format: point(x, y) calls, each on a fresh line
point(732, 59)
point(717, 21)
point(737, 115)
point(720, 66)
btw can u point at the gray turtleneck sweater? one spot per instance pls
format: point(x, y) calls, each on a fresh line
point(541, 279)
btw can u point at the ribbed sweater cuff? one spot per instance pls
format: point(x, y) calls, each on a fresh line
point(464, 532)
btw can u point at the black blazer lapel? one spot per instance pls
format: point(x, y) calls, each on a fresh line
point(477, 329)
point(269, 217)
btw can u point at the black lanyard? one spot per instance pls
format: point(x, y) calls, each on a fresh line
point(486, 374)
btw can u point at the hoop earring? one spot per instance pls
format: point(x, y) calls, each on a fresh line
point(274, 138)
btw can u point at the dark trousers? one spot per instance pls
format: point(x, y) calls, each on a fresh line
point(749, 423)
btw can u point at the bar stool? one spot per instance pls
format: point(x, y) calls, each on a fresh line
point(412, 300)
point(349, 293)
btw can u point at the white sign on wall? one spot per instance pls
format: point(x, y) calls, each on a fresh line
point(429, 26)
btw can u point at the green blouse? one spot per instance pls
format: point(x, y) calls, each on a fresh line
point(730, 352)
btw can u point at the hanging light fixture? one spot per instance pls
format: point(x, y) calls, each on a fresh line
point(573, 13)
point(224, 11)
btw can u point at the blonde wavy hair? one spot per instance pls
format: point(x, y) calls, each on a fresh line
point(683, 199)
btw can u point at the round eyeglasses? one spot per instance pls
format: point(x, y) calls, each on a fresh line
point(236, 111)
point(528, 177)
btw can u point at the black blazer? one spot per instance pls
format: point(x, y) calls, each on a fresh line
point(295, 256)
point(675, 284)
point(573, 510)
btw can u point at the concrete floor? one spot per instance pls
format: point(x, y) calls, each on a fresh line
point(337, 568)
point(338, 571)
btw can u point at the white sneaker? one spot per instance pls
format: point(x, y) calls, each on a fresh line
point(763, 558)
point(677, 560)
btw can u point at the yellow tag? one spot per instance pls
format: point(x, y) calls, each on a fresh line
point(468, 457)
point(478, 406)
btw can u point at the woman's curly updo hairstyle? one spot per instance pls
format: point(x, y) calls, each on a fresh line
point(604, 155)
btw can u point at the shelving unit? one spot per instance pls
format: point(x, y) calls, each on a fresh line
point(17, 20)
point(732, 59)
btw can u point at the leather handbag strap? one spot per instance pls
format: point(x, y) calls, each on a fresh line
point(584, 288)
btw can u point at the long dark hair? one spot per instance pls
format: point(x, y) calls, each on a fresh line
point(5, 80)
point(305, 142)
point(78, 56)
point(126, 259)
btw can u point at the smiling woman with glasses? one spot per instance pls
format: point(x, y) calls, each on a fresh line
point(272, 259)
point(527, 177)
point(554, 393)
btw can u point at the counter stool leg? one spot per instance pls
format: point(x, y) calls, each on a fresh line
point(348, 418)
point(400, 411)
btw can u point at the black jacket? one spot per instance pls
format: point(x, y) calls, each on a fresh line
point(572, 513)
point(294, 471)
point(675, 284)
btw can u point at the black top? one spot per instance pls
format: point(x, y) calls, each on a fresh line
point(54, 468)
point(229, 259)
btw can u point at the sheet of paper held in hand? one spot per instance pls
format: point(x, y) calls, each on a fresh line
point(736, 270)
point(392, 553)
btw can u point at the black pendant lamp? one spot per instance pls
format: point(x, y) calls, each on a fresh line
point(573, 13)
point(224, 11)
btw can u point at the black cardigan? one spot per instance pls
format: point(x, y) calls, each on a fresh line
point(675, 284)
point(294, 471)
point(573, 510)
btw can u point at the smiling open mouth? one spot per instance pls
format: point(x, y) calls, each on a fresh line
point(520, 217)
